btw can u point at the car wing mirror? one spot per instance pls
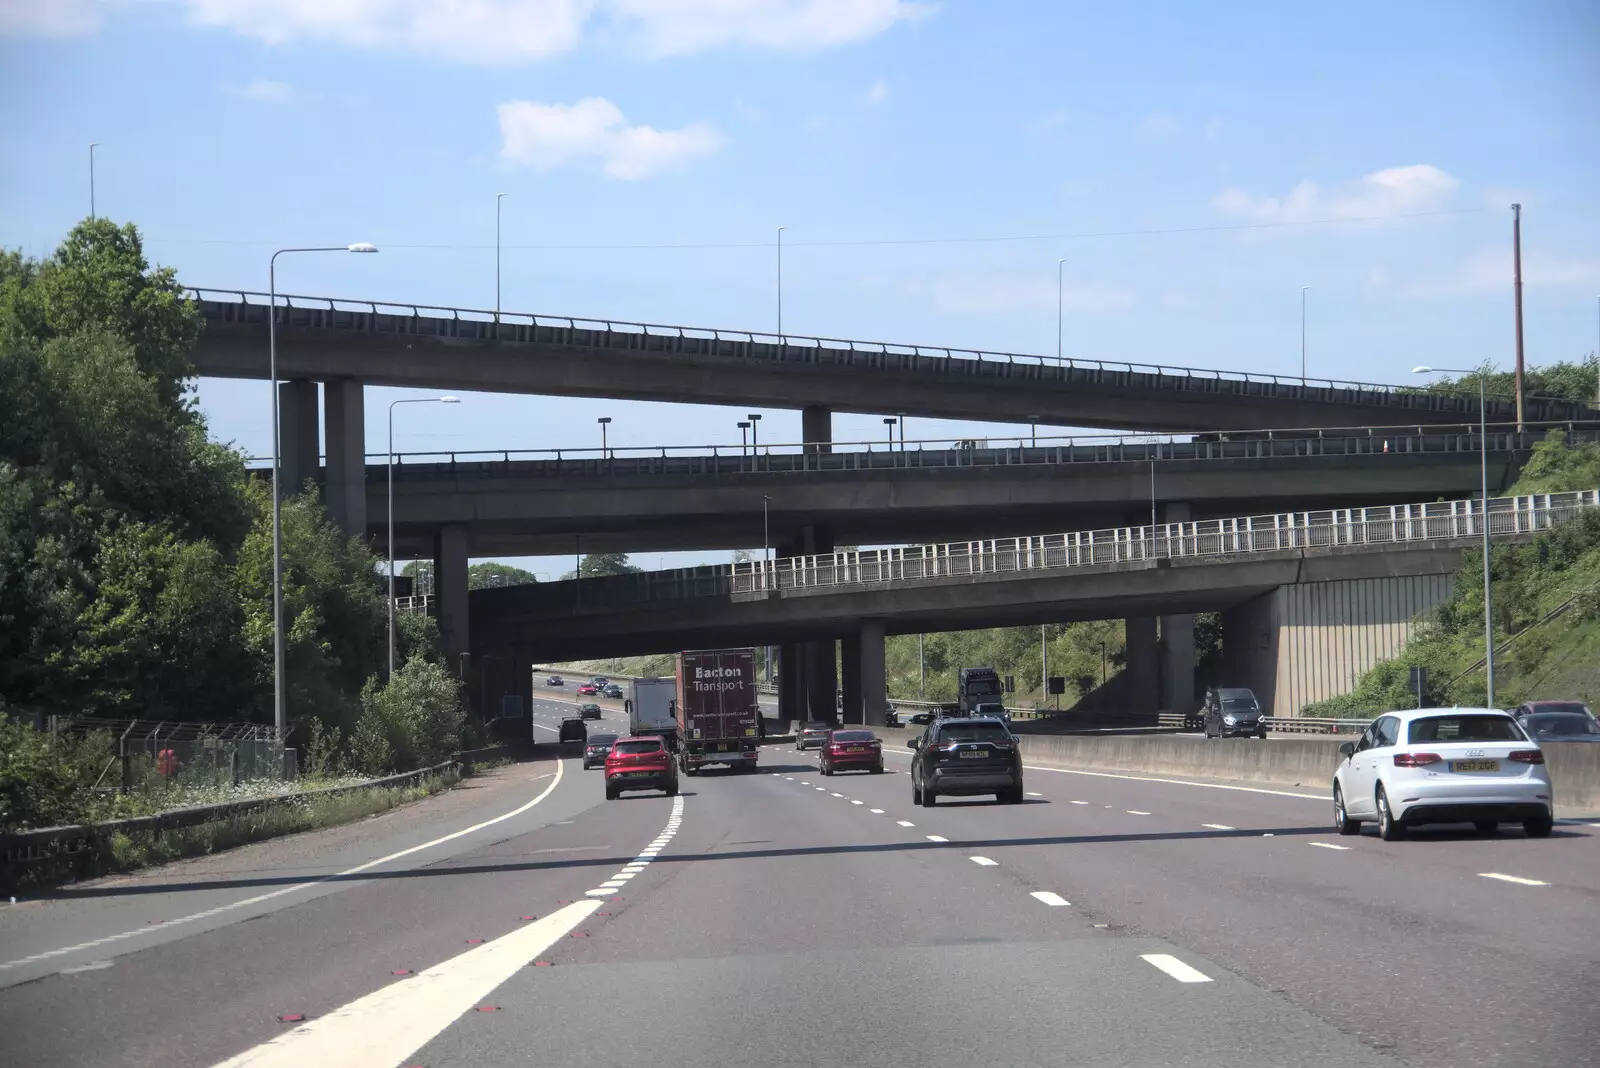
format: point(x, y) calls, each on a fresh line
point(1347, 749)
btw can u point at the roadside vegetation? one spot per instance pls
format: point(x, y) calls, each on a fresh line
point(1546, 605)
point(136, 556)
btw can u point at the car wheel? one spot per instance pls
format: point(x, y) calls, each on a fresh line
point(1010, 796)
point(878, 770)
point(928, 796)
point(1539, 828)
point(671, 791)
point(1389, 828)
point(916, 789)
point(1485, 826)
point(1341, 818)
point(1262, 735)
point(611, 795)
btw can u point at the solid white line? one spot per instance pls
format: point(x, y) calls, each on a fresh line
point(936, 838)
point(1219, 826)
point(1179, 782)
point(1053, 900)
point(876, 811)
point(1519, 880)
point(271, 894)
point(387, 1026)
point(984, 862)
point(1175, 968)
point(1328, 845)
point(905, 823)
point(1136, 812)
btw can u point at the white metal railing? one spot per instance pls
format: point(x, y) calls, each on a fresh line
point(1385, 525)
point(415, 603)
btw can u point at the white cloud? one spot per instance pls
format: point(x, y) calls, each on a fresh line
point(877, 94)
point(261, 91)
point(1393, 191)
point(545, 136)
point(50, 18)
point(488, 32)
point(1007, 293)
point(1489, 270)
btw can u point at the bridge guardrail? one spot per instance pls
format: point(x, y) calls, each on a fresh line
point(457, 324)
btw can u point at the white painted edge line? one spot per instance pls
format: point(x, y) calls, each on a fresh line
point(385, 1027)
point(1175, 968)
point(876, 811)
point(1329, 845)
point(1219, 827)
point(1181, 782)
point(984, 862)
point(1519, 880)
point(905, 823)
point(271, 894)
point(1046, 897)
point(936, 838)
point(1136, 812)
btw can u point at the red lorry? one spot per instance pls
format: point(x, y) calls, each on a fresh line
point(716, 709)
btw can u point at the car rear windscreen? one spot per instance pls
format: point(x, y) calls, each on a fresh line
point(1465, 728)
point(636, 747)
point(1560, 725)
point(974, 732)
point(853, 736)
point(602, 739)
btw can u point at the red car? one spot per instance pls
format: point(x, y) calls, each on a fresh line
point(851, 748)
point(641, 763)
point(588, 689)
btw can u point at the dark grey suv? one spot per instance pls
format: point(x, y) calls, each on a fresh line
point(959, 757)
point(1233, 711)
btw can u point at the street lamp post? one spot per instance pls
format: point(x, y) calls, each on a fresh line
point(1303, 331)
point(92, 146)
point(902, 417)
point(498, 197)
point(1060, 276)
point(1033, 430)
point(889, 421)
point(755, 425)
point(279, 716)
point(781, 229)
point(744, 441)
point(604, 421)
point(1483, 518)
point(405, 400)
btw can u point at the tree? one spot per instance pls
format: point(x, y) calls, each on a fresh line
point(491, 573)
point(596, 565)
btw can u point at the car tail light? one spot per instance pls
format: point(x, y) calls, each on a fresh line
point(1526, 756)
point(1416, 760)
point(940, 747)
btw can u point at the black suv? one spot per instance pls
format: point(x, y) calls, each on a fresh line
point(573, 729)
point(966, 756)
point(1232, 711)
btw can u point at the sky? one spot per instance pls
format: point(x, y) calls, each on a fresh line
point(1195, 165)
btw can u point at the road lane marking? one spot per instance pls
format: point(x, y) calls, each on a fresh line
point(1329, 845)
point(820, 789)
point(1034, 793)
point(1519, 880)
point(1136, 812)
point(855, 802)
point(385, 1027)
point(876, 811)
point(1175, 968)
point(272, 894)
point(984, 862)
point(1046, 897)
point(905, 823)
point(936, 838)
point(1077, 802)
point(1179, 782)
point(838, 795)
point(1219, 826)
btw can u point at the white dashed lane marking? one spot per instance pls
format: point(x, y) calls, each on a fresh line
point(1329, 845)
point(876, 811)
point(936, 838)
point(1047, 898)
point(1136, 812)
point(984, 862)
point(1519, 880)
point(1175, 968)
point(1217, 826)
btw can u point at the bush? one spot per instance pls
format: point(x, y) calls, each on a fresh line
point(414, 721)
point(48, 780)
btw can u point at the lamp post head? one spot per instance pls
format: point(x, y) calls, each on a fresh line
point(362, 246)
point(603, 419)
point(1423, 369)
point(744, 426)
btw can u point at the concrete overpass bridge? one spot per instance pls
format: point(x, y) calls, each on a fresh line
point(557, 502)
point(1305, 596)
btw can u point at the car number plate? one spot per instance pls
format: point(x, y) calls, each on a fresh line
point(973, 754)
point(639, 774)
point(1474, 765)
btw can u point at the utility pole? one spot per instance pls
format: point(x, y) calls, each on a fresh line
point(1516, 268)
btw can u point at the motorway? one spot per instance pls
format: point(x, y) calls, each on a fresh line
point(790, 919)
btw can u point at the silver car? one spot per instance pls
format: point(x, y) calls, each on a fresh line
point(812, 735)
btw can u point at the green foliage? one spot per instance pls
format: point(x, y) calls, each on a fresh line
point(47, 780)
point(1566, 379)
point(595, 565)
point(1075, 652)
point(414, 721)
point(1557, 467)
point(491, 573)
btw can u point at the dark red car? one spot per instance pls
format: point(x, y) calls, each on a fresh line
point(640, 763)
point(588, 689)
point(851, 748)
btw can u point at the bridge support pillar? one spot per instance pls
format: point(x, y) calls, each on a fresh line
point(345, 432)
point(791, 684)
point(450, 592)
point(822, 681)
point(850, 707)
point(1141, 672)
point(1250, 649)
point(1177, 641)
point(297, 435)
point(816, 429)
point(874, 682)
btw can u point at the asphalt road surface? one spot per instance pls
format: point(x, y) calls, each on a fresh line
point(790, 919)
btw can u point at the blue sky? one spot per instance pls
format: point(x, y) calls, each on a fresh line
point(231, 127)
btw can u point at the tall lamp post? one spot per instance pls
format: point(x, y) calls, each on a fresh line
point(407, 400)
point(755, 425)
point(744, 438)
point(1060, 282)
point(604, 421)
point(92, 146)
point(1483, 518)
point(279, 716)
point(498, 197)
point(781, 229)
point(1303, 331)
